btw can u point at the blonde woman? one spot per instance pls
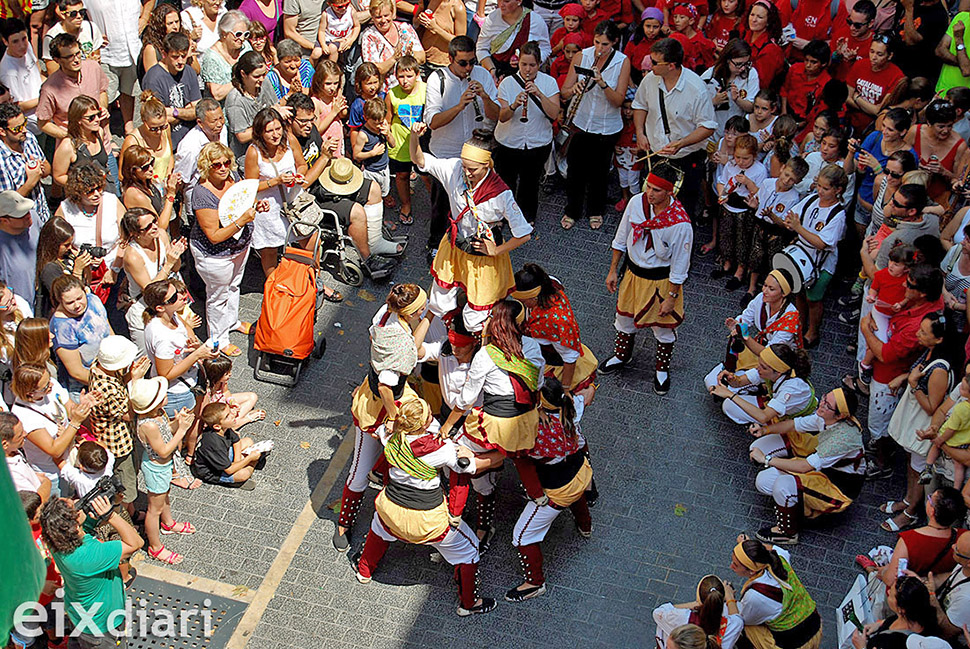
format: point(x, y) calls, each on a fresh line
point(387, 40)
point(201, 20)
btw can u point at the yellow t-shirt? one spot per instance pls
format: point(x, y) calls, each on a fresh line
point(407, 109)
point(959, 422)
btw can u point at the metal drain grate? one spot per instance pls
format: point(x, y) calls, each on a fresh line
point(162, 617)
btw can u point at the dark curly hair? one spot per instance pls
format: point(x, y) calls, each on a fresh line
point(154, 33)
point(59, 527)
point(82, 179)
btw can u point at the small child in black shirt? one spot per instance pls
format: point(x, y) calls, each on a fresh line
point(220, 456)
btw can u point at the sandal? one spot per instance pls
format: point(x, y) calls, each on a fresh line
point(864, 562)
point(132, 575)
point(332, 296)
point(890, 524)
point(231, 350)
point(188, 458)
point(567, 222)
point(707, 249)
point(854, 384)
point(184, 528)
point(406, 219)
point(171, 559)
point(595, 222)
point(256, 415)
point(244, 328)
point(185, 484)
point(889, 507)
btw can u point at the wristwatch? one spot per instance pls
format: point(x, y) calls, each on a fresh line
point(175, 113)
point(767, 460)
point(673, 294)
point(961, 47)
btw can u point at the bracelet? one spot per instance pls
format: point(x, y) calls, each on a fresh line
point(730, 601)
point(170, 199)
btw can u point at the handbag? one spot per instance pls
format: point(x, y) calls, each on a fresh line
point(96, 285)
point(302, 212)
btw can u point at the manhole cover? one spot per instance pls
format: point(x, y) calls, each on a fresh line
point(165, 616)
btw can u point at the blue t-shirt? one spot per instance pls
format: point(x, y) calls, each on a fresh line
point(873, 144)
point(84, 334)
point(355, 119)
point(377, 163)
point(18, 259)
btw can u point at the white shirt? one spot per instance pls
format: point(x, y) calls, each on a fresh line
point(47, 415)
point(445, 455)
point(754, 607)
point(193, 17)
point(531, 134)
point(688, 107)
point(813, 219)
point(23, 475)
point(956, 603)
point(788, 394)
point(815, 164)
point(751, 316)
point(187, 156)
point(452, 374)
point(671, 246)
point(669, 618)
point(495, 25)
point(779, 202)
point(85, 230)
point(748, 86)
point(485, 376)
point(118, 20)
point(446, 141)
point(756, 172)
point(595, 113)
point(89, 37)
point(170, 344)
point(451, 175)
point(22, 77)
point(82, 481)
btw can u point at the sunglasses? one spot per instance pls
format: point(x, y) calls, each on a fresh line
point(74, 14)
point(881, 38)
point(17, 129)
point(899, 205)
point(465, 64)
point(93, 117)
point(342, 5)
point(158, 129)
point(148, 227)
point(221, 164)
point(852, 23)
point(243, 35)
point(896, 175)
point(69, 57)
point(175, 295)
point(741, 64)
point(147, 166)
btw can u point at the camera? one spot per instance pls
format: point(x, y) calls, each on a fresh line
point(108, 486)
point(98, 252)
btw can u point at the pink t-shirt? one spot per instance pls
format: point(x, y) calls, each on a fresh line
point(58, 91)
point(336, 128)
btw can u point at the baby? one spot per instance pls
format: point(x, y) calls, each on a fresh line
point(888, 297)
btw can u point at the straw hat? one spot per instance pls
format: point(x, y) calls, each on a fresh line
point(116, 353)
point(147, 394)
point(342, 177)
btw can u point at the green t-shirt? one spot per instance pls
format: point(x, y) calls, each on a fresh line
point(950, 75)
point(407, 109)
point(91, 575)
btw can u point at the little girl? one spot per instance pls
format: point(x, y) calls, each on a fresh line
point(725, 19)
point(740, 178)
point(572, 18)
point(888, 297)
point(721, 155)
point(954, 433)
point(367, 85)
point(625, 153)
point(648, 33)
point(780, 146)
point(763, 117)
point(329, 103)
point(217, 372)
point(572, 45)
point(825, 122)
point(262, 43)
point(338, 31)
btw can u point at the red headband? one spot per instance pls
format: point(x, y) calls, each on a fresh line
point(459, 340)
point(572, 9)
point(659, 182)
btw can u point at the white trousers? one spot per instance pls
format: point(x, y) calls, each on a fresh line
point(136, 325)
point(445, 300)
point(460, 544)
point(484, 484)
point(734, 412)
point(771, 482)
point(624, 324)
point(366, 451)
point(533, 524)
point(222, 277)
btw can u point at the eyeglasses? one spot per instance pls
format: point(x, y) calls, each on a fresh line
point(74, 14)
point(882, 38)
point(741, 65)
point(158, 129)
point(465, 64)
point(74, 55)
point(17, 129)
point(961, 555)
point(146, 229)
point(243, 35)
point(852, 23)
point(303, 121)
point(45, 389)
point(220, 164)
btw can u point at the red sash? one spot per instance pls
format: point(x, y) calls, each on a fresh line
point(520, 39)
point(489, 188)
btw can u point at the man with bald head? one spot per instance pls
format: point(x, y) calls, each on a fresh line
point(953, 592)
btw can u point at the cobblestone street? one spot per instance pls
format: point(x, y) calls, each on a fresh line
point(675, 485)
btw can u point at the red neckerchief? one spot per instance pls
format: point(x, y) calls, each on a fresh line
point(557, 323)
point(674, 214)
point(490, 187)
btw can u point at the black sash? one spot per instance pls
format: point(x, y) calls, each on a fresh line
point(551, 356)
point(660, 272)
point(554, 476)
point(467, 245)
point(374, 384)
point(504, 406)
point(800, 634)
point(412, 497)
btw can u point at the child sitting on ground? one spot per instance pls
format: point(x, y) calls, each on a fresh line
point(221, 457)
point(217, 372)
point(954, 433)
point(888, 297)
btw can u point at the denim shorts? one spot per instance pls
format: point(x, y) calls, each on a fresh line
point(179, 400)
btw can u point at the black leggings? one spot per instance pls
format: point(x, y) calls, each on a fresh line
point(522, 171)
point(588, 173)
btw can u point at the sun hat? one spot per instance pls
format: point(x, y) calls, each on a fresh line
point(146, 394)
point(116, 353)
point(342, 177)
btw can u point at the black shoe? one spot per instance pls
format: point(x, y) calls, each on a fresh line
point(733, 284)
point(850, 317)
point(487, 606)
point(865, 374)
point(609, 368)
point(661, 388)
point(851, 299)
point(875, 472)
point(249, 485)
point(375, 480)
point(379, 267)
point(719, 272)
point(341, 542)
point(746, 299)
point(811, 344)
point(851, 349)
point(516, 595)
point(767, 535)
point(486, 541)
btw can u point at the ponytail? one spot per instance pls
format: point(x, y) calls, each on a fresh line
point(553, 393)
point(757, 552)
point(711, 595)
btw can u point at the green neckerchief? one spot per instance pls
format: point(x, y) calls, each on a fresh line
point(399, 454)
point(521, 367)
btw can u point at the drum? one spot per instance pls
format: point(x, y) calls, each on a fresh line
point(801, 264)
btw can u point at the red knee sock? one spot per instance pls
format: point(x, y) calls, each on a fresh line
point(458, 492)
point(467, 584)
point(374, 549)
point(349, 506)
point(580, 511)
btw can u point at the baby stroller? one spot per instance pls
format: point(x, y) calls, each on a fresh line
point(284, 331)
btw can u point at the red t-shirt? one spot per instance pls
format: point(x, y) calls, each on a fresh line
point(888, 289)
point(560, 34)
point(559, 69)
point(719, 29)
point(52, 574)
point(636, 52)
point(590, 22)
point(903, 349)
point(923, 549)
point(620, 11)
point(871, 86)
point(628, 136)
point(803, 93)
point(841, 34)
point(767, 58)
point(812, 19)
point(704, 54)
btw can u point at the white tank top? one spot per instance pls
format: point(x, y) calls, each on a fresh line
point(153, 267)
point(339, 26)
point(84, 224)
